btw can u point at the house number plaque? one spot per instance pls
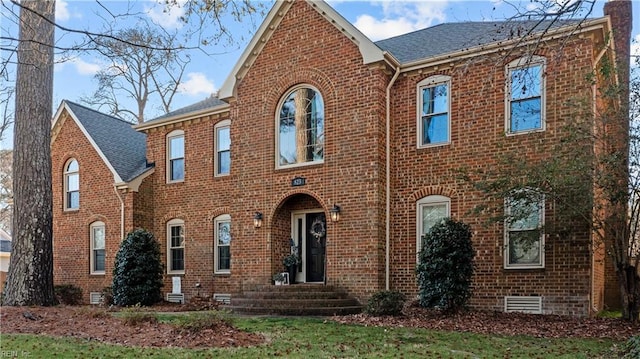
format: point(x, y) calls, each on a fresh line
point(298, 181)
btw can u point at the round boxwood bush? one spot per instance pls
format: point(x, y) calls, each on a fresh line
point(446, 266)
point(137, 274)
point(386, 302)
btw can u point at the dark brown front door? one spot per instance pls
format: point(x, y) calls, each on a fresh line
point(316, 232)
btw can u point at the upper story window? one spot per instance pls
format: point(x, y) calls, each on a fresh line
point(524, 238)
point(525, 95)
point(97, 246)
point(430, 210)
point(175, 246)
point(223, 148)
point(300, 124)
point(72, 185)
point(222, 237)
point(175, 156)
point(434, 126)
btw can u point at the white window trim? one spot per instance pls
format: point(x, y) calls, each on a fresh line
point(431, 82)
point(67, 174)
point(539, 265)
point(432, 200)
point(520, 63)
point(219, 126)
point(277, 131)
point(216, 264)
point(175, 223)
point(92, 249)
point(171, 135)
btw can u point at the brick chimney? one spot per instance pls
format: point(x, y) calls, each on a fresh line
point(619, 11)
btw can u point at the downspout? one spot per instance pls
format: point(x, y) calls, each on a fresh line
point(121, 212)
point(388, 179)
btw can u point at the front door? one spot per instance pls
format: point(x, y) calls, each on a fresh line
point(309, 235)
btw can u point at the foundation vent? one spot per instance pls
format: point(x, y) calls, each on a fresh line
point(222, 298)
point(175, 297)
point(531, 305)
point(95, 298)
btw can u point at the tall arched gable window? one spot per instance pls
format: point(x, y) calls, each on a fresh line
point(72, 185)
point(429, 211)
point(300, 128)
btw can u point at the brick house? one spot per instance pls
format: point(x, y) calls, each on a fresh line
point(316, 121)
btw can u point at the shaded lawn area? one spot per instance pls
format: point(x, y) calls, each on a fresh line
point(324, 338)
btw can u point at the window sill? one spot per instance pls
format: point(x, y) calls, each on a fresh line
point(97, 273)
point(176, 273)
point(175, 182)
point(299, 165)
point(434, 145)
point(71, 210)
point(524, 132)
point(524, 268)
point(222, 274)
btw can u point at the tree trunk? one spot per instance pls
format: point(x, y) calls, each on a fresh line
point(30, 278)
point(630, 291)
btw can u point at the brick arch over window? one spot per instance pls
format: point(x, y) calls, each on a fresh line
point(217, 212)
point(433, 190)
point(95, 218)
point(310, 76)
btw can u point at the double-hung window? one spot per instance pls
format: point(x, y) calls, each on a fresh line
point(223, 148)
point(430, 210)
point(524, 238)
point(97, 248)
point(300, 128)
point(175, 156)
point(175, 246)
point(72, 185)
point(434, 123)
point(222, 237)
point(525, 95)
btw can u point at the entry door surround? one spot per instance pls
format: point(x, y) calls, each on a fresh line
point(308, 231)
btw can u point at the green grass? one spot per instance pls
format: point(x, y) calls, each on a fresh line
point(315, 338)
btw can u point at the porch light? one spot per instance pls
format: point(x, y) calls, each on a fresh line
point(334, 213)
point(257, 220)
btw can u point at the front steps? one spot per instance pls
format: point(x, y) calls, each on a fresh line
point(297, 299)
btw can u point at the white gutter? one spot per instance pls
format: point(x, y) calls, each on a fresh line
point(121, 212)
point(220, 109)
point(388, 179)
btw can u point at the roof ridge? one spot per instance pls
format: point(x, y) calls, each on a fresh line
point(100, 112)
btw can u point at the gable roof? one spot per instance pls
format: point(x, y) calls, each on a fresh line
point(455, 37)
point(122, 148)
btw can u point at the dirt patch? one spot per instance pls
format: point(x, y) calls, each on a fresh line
point(96, 323)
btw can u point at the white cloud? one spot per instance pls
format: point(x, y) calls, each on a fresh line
point(167, 16)
point(400, 17)
point(635, 46)
point(197, 83)
point(63, 13)
point(81, 66)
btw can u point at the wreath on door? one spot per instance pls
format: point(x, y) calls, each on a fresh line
point(317, 228)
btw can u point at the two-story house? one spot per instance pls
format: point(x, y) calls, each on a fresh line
point(344, 151)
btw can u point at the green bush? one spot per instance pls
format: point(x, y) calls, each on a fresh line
point(386, 302)
point(107, 296)
point(134, 316)
point(446, 266)
point(197, 322)
point(632, 347)
point(137, 273)
point(68, 294)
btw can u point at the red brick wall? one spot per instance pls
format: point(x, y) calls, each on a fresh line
point(306, 49)
point(98, 202)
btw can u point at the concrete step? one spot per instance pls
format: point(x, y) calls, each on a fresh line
point(293, 303)
point(308, 311)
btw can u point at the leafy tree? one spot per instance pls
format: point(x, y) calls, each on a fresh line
point(137, 273)
point(446, 266)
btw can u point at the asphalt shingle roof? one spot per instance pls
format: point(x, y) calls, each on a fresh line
point(209, 102)
point(453, 37)
point(124, 147)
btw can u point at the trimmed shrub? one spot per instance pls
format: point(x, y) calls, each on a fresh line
point(134, 316)
point(446, 266)
point(386, 302)
point(137, 273)
point(107, 296)
point(68, 294)
point(632, 347)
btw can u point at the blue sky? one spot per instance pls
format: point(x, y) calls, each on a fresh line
point(206, 73)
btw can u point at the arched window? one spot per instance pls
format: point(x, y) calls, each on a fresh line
point(525, 95)
point(97, 245)
point(175, 246)
point(222, 239)
point(300, 128)
point(429, 211)
point(175, 156)
point(434, 107)
point(72, 185)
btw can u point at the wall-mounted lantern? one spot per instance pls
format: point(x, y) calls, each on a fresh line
point(334, 213)
point(257, 220)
